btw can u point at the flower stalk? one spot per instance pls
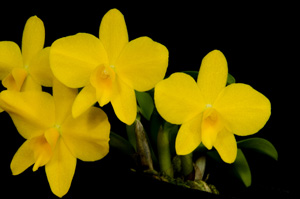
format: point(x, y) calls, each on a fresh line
point(142, 146)
point(163, 147)
point(187, 165)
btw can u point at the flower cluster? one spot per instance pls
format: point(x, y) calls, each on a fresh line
point(83, 69)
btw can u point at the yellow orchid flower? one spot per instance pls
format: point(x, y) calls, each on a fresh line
point(109, 68)
point(209, 111)
point(53, 137)
point(30, 68)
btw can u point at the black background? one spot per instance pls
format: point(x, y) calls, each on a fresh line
point(260, 44)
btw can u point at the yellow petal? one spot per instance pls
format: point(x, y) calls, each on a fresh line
point(226, 146)
point(142, 63)
point(30, 84)
point(212, 75)
point(87, 136)
point(51, 136)
point(84, 100)
point(33, 38)
point(113, 34)
point(244, 109)
point(10, 57)
point(23, 158)
point(31, 112)
point(74, 58)
point(189, 136)
point(40, 69)
point(60, 169)
point(178, 98)
point(15, 80)
point(124, 103)
point(63, 98)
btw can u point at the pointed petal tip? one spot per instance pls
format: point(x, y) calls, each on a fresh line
point(35, 20)
point(75, 112)
point(35, 167)
point(114, 10)
point(216, 52)
point(229, 160)
point(84, 100)
point(14, 172)
point(35, 17)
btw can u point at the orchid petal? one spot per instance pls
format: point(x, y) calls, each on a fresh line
point(15, 80)
point(23, 158)
point(113, 34)
point(212, 75)
point(32, 112)
point(40, 69)
point(142, 63)
point(178, 98)
point(84, 100)
point(60, 169)
point(63, 99)
point(87, 136)
point(244, 109)
point(189, 136)
point(226, 146)
point(10, 58)
point(124, 103)
point(33, 38)
point(30, 84)
point(74, 58)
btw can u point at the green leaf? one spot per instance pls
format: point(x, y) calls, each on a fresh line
point(241, 168)
point(259, 145)
point(194, 74)
point(130, 130)
point(118, 142)
point(156, 123)
point(230, 79)
point(145, 103)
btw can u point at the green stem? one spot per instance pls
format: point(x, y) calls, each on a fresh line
point(187, 164)
point(164, 155)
